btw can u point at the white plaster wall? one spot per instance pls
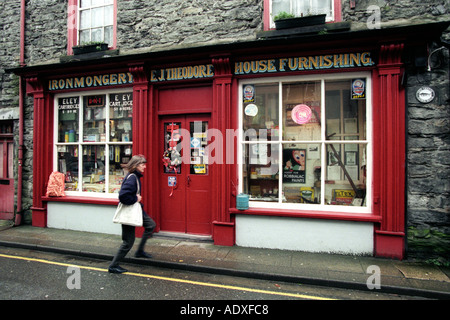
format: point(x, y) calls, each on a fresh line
point(310, 235)
point(82, 217)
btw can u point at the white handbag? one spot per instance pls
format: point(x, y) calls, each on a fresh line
point(130, 215)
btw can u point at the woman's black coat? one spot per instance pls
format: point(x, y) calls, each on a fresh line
point(127, 194)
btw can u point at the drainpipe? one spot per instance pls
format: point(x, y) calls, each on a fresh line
point(18, 216)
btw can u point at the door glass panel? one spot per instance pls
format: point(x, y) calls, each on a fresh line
point(199, 140)
point(10, 160)
point(172, 147)
point(1, 159)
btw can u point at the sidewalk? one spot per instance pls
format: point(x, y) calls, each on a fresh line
point(341, 271)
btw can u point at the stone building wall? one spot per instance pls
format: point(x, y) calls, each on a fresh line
point(428, 160)
point(9, 55)
point(428, 125)
point(169, 23)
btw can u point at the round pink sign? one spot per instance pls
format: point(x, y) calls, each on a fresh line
point(301, 114)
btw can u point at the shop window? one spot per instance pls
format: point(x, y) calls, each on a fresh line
point(305, 143)
point(94, 137)
point(301, 8)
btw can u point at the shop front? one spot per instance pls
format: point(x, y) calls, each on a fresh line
point(313, 134)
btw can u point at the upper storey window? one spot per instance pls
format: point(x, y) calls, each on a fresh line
point(91, 21)
point(301, 8)
point(96, 21)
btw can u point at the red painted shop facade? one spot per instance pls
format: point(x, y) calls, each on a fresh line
point(311, 129)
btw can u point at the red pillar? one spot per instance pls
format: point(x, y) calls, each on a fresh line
point(42, 148)
point(143, 134)
point(389, 152)
point(223, 226)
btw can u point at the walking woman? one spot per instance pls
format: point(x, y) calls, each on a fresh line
point(128, 195)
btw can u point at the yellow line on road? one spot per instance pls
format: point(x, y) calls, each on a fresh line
point(198, 283)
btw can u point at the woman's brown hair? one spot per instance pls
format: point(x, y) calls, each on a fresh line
point(134, 162)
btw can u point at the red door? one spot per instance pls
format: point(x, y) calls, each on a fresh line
point(185, 177)
point(6, 179)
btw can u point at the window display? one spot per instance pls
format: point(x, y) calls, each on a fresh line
point(89, 152)
point(317, 154)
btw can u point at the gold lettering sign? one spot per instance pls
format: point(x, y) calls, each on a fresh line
point(302, 63)
point(321, 62)
point(83, 82)
point(182, 73)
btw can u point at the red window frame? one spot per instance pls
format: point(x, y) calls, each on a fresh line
point(72, 25)
point(266, 16)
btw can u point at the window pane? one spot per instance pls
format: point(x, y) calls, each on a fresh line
point(260, 112)
point(321, 7)
point(300, 8)
point(120, 113)
point(68, 164)
point(97, 2)
point(85, 3)
point(109, 15)
point(117, 155)
point(94, 118)
point(261, 166)
point(301, 173)
point(85, 36)
point(98, 17)
point(109, 36)
point(301, 111)
point(279, 6)
point(345, 115)
point(346, 174)
point(85, 19)
point(68, 119)
point(97, 35)
point(93, 168)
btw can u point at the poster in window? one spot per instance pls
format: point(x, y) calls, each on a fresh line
point(249, 93)
point(314, 106)
point(294, 165)
point(358, 89)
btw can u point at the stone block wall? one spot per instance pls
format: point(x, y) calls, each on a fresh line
point(169, 23)
point(428, 160)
